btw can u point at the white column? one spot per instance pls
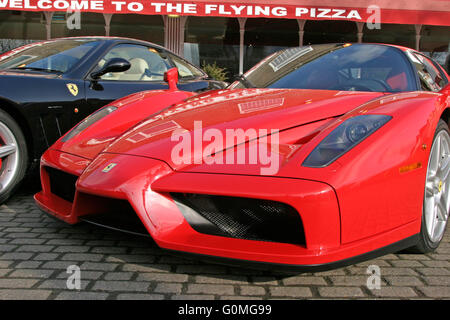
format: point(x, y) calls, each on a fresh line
point(166, 36)
point(360, 27)
point(242, 22)
point(174, 33)
point(183, 20)
point(48, 23)
point(107, 17)
point(418, 28)
point(301, 31)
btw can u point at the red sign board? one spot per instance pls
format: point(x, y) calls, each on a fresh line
point(435, 12)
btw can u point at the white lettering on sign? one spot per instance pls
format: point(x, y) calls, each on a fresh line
point(58, 4)
point(181, 8)
point(327, 13)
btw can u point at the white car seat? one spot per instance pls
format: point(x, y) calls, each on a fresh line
point(136, 71)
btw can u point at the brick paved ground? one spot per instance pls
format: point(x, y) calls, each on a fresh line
point(35, 251)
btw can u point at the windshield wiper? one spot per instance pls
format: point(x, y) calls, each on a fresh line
point(37, 69)
point(243, 79)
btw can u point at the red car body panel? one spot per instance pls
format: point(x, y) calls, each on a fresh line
point(280, 109)
point(95, 138)
point(369, 198)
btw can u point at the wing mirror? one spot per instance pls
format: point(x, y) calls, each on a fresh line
point(171, 77)
point(112, 65)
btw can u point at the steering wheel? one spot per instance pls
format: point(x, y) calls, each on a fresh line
point(383, 83)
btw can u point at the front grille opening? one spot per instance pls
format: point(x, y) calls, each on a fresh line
point(62, 184)
point(115, 214)
point(242, 218)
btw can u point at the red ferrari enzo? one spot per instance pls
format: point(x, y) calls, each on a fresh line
point(317, 157)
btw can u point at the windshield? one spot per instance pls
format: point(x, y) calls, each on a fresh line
point(344, 67)
point(54, 56)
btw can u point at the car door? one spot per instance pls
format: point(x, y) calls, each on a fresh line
point(148, 66)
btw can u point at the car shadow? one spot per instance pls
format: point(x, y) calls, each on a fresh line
point(138, 253)
point(142, 254)
point(30, 185)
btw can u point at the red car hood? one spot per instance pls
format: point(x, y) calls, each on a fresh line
point(131, 110)
point(244, 109)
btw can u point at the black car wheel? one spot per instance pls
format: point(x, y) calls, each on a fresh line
point(13, 155)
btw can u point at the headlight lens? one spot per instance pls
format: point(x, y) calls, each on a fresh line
point(93, 118)
point(343, 138)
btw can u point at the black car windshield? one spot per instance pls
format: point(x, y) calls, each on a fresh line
point(344, 67)
point(53, 56)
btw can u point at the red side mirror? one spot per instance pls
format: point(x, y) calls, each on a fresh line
point(171, 77)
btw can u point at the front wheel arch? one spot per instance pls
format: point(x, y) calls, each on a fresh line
point(445, 116)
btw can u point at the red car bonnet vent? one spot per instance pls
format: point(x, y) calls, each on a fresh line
point(304, 133)
point(171, 77)
point(307, 138)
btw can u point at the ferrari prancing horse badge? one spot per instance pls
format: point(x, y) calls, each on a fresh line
point(109, 167)
point(73, 89)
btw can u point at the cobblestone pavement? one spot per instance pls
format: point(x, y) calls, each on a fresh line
point(36, 250)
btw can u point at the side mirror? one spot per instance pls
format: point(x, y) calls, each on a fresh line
point(112, 65)
point(171, 77)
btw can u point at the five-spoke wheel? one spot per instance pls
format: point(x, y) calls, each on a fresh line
point(13, 155)
point(436, 202)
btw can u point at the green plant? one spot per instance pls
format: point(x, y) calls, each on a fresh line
point(214, 71)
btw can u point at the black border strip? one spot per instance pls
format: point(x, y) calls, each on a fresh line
point(290, 268)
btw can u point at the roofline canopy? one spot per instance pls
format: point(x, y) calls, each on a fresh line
point(430, 12)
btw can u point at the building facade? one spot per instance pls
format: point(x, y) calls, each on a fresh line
point(233, 37)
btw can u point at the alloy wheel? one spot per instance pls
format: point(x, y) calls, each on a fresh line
point(437, 187)
point(9, 156)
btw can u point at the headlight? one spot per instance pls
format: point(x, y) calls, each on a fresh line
point(93, 118)
point(343, 138)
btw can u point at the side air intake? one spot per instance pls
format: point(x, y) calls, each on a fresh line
point(241, 218)
point(62, 184)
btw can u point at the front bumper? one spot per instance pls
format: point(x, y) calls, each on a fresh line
point(147, 185)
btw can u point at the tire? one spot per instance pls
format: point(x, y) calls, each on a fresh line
point(13, 155)
point(436, 202)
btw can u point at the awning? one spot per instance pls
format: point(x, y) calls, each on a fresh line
point(425, 12)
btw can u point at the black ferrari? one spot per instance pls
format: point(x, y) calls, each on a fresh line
point(48, 87)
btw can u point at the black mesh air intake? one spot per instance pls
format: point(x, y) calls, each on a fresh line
point(242, 218)
point(62, 184)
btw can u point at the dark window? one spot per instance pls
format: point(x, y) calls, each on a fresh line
point(77, 24)
point(185, 70)
point(435, 43)
point(398, 34)
point(138, 26)
point(431, 78)
point(357, 67)
point(147, 64)
point(264, 36)
point(213, 41)
point(22, 25)
point(58, 56)
point(329, 31)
